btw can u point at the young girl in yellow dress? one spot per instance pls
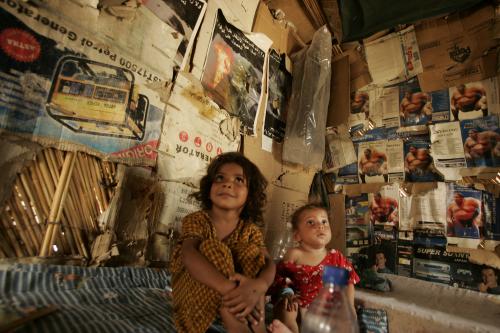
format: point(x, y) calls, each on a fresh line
point(221, 266)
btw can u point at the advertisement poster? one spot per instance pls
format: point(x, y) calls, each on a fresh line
point(360, 110)
point(358, 223)
point(279, 90)
point(418, 162)
point(452, 268)
point(468, 101)
point(463, 212)
point(184, 17)
point(424, 210)
point(491, 216)
point(380, 161)
point(385, 256)
point(384, 206)
point(349, 173)
point(481, 140)
point(372, 162)
point(233, 72)
point(339, 149)
point(404, 264)
point(419, 108)
point(195, 131)
point(178, 204)
point(62, 87)
point(394, 58)
point(385, 106)
point(446, 145)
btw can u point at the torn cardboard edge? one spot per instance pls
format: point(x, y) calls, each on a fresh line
point(359, 75)
point(295, 14)
point(337, 222)
point(408, 188)
point(481, 172)
point(339, 104)
point(475, 70)
point(478, 256)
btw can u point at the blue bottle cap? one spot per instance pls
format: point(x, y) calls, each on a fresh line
point(335, 275)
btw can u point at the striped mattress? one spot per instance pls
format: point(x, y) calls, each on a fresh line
point(102, 299)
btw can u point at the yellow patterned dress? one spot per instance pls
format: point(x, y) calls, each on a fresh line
point(195, 304)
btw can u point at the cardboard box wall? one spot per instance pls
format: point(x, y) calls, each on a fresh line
point(454, 48)
point(288, 183)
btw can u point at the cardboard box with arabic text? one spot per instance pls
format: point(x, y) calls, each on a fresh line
point(454, 48)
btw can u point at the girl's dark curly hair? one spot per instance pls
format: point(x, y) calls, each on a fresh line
point(257, 184)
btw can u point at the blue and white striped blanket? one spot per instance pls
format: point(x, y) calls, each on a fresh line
point(103, 299)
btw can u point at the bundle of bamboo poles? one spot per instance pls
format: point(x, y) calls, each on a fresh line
point(54, 205)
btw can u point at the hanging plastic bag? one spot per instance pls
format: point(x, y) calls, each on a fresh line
point(306, 120)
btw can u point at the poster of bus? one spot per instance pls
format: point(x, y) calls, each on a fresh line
point(70, 88)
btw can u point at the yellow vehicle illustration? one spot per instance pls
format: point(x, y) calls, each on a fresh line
point(91, 97)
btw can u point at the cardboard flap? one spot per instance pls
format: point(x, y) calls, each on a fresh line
point(339, 106)
point(455, 39)
point(357, 189)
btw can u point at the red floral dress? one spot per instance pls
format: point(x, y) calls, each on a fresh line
point(306, 280)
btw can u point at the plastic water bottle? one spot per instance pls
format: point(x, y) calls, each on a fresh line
point(331, 311)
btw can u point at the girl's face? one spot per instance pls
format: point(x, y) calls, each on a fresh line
point(229, 189)
point(313, 228)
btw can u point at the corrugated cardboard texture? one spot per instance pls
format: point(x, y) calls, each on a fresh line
point(446, 41)
point(280, 208)
point(277, 172)
point(337, 222)
point(285, 39)
point(296, 15)
point(359, 75)
point(339, 106)
point(476, 70)
point(453, 47)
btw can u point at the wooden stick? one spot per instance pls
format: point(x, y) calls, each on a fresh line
point(106, 172)
point(25, 239)
point(89, 181)
point(76, 199)
point(57, 204)
point(2, 253)
point(27, 212)
point(86, 208)
point(39, 194)
point(6, 246)
point(70, 209)
point(46, 177)
point(84, 183)
point(42, 187)
point(11, 234)
point(63, 198)
point(51, 164)
point(74, 214)
point(42, 191)
point(34, 203)
point(90, 197)
point(98, 183)
point(94, 183)
point(69, 234)
point(24, 220)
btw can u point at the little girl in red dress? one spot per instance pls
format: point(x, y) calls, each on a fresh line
point(299, 275)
